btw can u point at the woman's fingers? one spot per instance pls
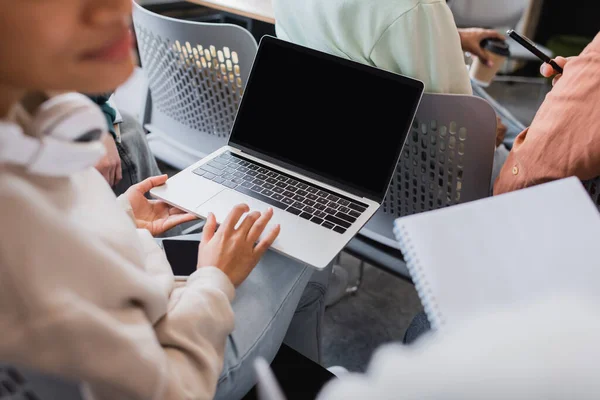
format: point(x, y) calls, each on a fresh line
point(177, 219)
point(228, 226)
point(147, 184)
point(266, 241)
point(209, 228)
point(258, 228)
point(248, 223)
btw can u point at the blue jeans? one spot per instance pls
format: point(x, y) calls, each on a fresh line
point(137, 161)
point(281, 301)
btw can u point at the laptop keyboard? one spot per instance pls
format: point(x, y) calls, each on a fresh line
point(310, 202)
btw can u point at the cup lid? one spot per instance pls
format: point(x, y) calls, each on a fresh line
point(497, 46)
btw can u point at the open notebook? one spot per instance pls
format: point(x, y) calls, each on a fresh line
point(504, 250)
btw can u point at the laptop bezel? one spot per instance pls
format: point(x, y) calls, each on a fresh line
point(379, 196)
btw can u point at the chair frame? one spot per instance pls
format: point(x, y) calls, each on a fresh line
point(196, 75)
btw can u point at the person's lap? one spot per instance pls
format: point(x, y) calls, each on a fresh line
point(281, 300)
point(265, 305)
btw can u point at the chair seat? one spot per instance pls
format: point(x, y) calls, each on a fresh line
point(381, 256)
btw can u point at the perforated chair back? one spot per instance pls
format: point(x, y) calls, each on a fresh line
point(447, 160)
point(196, 73)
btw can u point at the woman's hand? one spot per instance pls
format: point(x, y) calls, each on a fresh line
point(154, 215)
point(547, 70)
point(470, 40)
point(233, 250)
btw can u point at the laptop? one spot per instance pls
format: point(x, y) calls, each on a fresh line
point(317, 138)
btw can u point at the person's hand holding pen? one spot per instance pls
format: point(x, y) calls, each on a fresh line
point(550, 67)
point(548, 71)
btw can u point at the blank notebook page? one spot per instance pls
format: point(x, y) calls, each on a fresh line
point(503, 250)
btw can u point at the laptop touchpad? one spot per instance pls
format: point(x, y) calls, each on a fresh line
point(222, 204)
point(187, 190)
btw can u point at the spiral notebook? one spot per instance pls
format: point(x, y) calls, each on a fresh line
point(502, 251)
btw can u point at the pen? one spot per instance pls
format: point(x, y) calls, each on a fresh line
point(529, 45)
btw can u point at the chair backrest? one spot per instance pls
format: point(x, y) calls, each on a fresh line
point(490, 13)
point(196, 74)
point(447, 160)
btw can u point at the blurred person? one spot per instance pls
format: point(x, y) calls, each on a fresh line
point(86, 292)
point(417, 38)
point(545, 349)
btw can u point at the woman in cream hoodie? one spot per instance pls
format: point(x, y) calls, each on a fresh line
point(85, 291)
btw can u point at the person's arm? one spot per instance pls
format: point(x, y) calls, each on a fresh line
point(98, 316)
point(563, 139)
point(424, 44)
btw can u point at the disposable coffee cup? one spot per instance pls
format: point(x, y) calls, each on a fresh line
point(496, 51)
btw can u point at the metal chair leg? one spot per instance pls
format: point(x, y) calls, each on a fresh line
point(361, 271)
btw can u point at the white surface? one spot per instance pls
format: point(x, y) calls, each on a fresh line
point(503, 250)
point(130, 97)
point(490, 13)
point(170, 151)
point(299, 239)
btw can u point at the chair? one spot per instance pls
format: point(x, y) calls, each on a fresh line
point(500, 14)
point(196, 73)
point(513, 125)
point(469, 13)
point(447, 160)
